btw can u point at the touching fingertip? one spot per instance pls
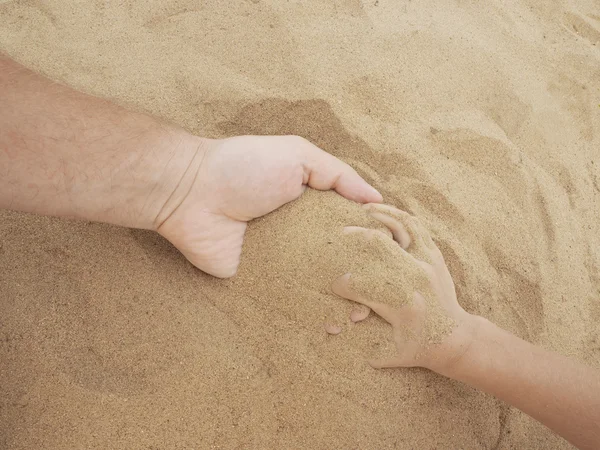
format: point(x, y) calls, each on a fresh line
point(375, 196)
point(367, 193)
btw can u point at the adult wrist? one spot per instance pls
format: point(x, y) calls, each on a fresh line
point(146, 179)
point(181, 177)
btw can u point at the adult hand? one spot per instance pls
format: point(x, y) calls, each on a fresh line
point(68, 154)
point(232, 181)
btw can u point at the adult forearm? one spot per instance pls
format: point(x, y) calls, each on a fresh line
point(558, 391)
point(69, 154)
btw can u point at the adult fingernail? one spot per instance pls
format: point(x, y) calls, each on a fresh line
point(376, 194)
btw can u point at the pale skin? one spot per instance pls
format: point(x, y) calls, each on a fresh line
point(560, 392)
point(67, 154)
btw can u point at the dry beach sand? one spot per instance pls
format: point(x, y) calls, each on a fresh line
point(482, 119)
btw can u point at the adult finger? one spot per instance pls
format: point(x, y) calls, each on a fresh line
point(323, 171)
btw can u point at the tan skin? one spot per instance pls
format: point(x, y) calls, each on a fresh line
point(68, 154)
point(560, 392)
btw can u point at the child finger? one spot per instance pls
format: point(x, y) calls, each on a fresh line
point(386, 363)
point(341, 287)
point(424, 233)
point(360, 314)
point(416, 231)
point(407, 221)
point(401, 236)
point(368, 233)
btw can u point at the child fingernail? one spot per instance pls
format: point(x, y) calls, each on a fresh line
point(332, 329)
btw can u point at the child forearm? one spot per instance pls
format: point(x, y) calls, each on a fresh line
point(561, 393)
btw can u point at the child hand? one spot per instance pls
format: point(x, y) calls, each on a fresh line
point(432, 330)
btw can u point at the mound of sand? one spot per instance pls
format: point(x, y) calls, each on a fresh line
point(482, 122)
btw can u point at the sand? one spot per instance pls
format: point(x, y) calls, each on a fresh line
point(482, 121)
